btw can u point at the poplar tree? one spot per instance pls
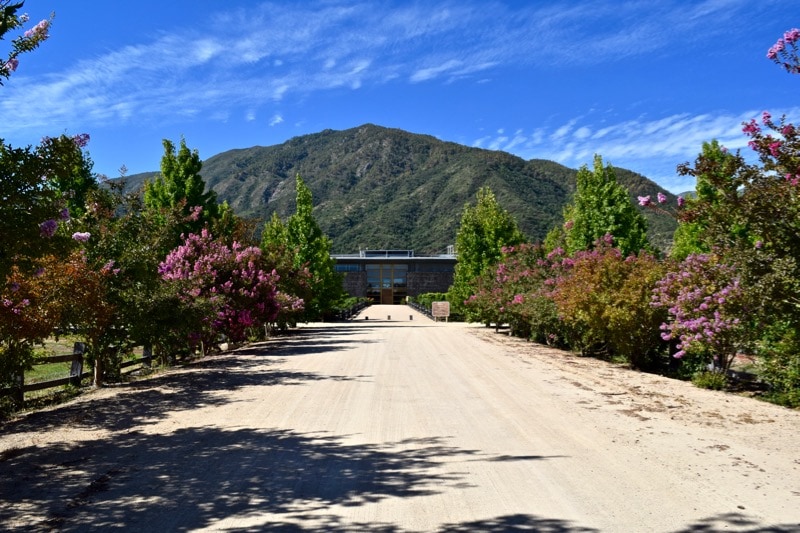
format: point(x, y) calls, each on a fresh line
point(486, 228)
point(602, 206)
point(310, 250)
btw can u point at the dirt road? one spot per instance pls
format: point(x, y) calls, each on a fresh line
point(402, 426)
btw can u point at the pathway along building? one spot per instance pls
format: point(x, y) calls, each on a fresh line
point(388, 276)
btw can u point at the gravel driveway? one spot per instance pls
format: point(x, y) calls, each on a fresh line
point(402, 426)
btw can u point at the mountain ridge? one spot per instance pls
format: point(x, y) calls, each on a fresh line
point(378, 187)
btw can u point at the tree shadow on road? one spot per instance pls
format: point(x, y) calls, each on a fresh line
point(195, 477)
point(737, 522)
point(204, 383)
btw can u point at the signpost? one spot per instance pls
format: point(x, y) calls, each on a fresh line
point(440, 309)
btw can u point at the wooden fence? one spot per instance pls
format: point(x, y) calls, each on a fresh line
point(76, 372)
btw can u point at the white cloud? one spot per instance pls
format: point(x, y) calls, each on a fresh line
point(273, 50)
point(276, 119)
point(653, 147)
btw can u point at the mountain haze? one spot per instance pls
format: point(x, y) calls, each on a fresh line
point(377, 187)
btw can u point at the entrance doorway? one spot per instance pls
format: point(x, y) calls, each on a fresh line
point(387, 284)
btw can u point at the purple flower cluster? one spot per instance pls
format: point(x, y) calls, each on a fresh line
point(48, 228)
point(81, 236)
point(81, 139)
point(704, 300)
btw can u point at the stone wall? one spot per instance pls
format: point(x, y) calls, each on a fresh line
point(355, 283)
point(423, 282)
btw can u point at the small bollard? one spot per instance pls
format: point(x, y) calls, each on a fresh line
point(411, 317)
point(388, 317)
point(366, 318)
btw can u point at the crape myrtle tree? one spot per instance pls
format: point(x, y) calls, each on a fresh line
point(601, 207)
point(486, 228)
point(10, 20)
point(38, 188)
point(227, 285)
point(310, 252)
point(742, 293)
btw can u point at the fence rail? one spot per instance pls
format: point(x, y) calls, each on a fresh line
point(76, 373)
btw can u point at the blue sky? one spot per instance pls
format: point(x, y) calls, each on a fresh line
point(642, 83)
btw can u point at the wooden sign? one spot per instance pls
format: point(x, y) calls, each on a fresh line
point(440, 309)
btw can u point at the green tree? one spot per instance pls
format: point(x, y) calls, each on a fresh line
point(180, 184)
point(32, 209)
point(310, 249)
point(602, 206)
point(712, 217)
point(486, 228)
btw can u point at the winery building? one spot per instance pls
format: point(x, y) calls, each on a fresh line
point(388, 276)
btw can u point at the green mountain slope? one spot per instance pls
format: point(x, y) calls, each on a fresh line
point(378, 187)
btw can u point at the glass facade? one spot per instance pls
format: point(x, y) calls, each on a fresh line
point(387, 283)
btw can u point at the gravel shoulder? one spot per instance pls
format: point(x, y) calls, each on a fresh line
point(402, 425)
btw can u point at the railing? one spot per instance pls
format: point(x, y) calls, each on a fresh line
point(421, 309)
point(353, 310)
point(76, 372)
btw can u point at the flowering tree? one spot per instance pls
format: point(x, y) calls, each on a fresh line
point(240, 293)
point(785, 51)
point(27, 42)
point(707, 306)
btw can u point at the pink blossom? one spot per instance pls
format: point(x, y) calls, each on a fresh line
point(662, 199)
point(765, 118)
point(751, 128)
point(774, 148)
point(12, 64)
point(791, 35)
point(681, 201)
point(40, 30)
point(645, 200)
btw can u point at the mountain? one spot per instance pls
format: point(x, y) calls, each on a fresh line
point(377, 187)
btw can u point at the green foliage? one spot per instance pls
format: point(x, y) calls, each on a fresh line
point(426, 300)
point(180, 185)
point(602, 207)
point(309, 249)
point(710, 217)
point(604, 300)
point(32, 208)
point(712, 380)
point(779, 362)
point(486, 228)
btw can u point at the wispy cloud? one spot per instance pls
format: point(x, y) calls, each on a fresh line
point(651, 146)
point(276, 119)
point(274, 51)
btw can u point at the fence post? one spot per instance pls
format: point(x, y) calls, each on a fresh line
point(76, 370)
point(147, 356)
point(17, 391)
